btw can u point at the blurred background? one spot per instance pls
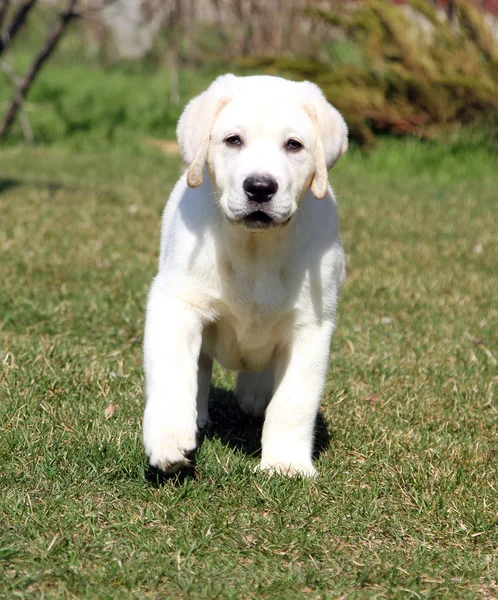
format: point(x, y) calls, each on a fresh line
point(85, 71)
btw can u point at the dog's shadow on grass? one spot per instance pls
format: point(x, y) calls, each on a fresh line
point(6, 183)
point(237, 431)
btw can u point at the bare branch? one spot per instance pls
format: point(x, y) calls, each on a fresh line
point(23, 115)
point(15, 25)
point(31, 73)
point(4, 5)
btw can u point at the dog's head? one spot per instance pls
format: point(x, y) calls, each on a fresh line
point(265, 141)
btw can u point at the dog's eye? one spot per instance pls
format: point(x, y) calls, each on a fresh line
point(233, 140)
point(293, 145)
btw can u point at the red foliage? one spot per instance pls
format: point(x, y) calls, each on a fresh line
point(490, 6)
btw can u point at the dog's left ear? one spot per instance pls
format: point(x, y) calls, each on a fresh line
point(195, 124)
point(331, 136)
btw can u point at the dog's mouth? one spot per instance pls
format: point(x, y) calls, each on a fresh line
point(258, 220)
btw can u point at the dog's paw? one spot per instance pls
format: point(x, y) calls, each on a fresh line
point(288, 469)
point(168, 443)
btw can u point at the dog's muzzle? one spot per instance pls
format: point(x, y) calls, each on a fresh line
point(259, 190)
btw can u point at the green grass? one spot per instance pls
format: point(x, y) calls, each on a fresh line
point(78, 99)
point(93, 103)
point(406, 504)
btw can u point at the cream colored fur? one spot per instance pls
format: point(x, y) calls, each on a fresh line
point(261, 299)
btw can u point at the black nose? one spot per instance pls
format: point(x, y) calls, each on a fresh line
point(260, 188)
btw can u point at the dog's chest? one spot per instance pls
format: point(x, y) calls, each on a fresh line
point(254, 316)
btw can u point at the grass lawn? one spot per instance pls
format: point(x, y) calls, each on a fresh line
point(406, 504)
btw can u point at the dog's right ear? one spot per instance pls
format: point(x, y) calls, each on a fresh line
point(195, 124)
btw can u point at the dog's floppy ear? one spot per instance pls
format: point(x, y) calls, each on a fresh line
point(331, 136)
point(195, 124)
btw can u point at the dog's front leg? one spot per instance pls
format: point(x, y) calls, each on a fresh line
point(173, 334)
point(287, 443)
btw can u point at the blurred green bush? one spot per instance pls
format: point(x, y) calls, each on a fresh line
point(403, 70)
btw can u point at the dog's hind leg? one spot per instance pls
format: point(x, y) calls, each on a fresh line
point(254, 391)
point(203, 380)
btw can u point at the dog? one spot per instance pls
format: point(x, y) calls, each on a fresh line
point(250, 269)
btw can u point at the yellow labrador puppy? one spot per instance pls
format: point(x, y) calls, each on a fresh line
point(250, 270)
